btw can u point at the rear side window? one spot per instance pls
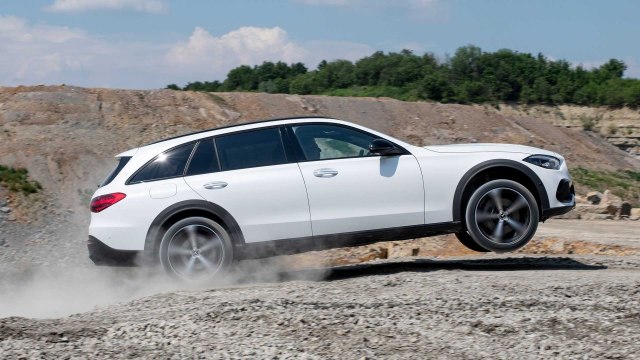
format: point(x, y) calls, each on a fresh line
point(166, 165)
point(204, 160)
point(112, 175)
point(251, 149)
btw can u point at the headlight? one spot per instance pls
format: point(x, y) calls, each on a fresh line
point(545, 161)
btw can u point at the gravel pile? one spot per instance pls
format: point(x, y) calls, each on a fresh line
point(498, 308)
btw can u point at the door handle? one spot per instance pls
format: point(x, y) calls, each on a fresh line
point(325, 173)
point(215, 185)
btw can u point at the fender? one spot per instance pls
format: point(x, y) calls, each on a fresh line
point(196, 206)
point(469, 175)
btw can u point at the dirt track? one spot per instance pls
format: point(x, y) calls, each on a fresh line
point(486, 306)
point(504, 308)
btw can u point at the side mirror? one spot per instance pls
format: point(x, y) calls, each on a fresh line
point(383, 147)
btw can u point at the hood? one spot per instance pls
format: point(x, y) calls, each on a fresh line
point(474, 148)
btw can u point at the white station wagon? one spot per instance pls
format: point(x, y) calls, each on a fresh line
point(198, 202)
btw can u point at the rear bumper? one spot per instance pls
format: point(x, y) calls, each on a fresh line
point(102, 254)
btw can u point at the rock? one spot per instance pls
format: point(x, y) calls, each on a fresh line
point(591, 216)
point(613, 209)
point(571, 215)
point(400, 250)
point(5, 209)
point(11, 218)
point(594, 197)
point(581, 200)
point(635, 212)
point(609, 198)
point(625, 209)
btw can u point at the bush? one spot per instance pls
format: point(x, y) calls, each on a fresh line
point(623, 183)
point(17, 180)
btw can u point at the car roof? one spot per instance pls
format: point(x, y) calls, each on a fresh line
point(242, 124)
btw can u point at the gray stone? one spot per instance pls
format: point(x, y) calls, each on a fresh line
point(625, 209)
point(594, 197)
point(5, 209)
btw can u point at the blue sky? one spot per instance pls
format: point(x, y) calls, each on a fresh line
point(150, 43)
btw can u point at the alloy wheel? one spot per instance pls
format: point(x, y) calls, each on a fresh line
point(503, 215)
point(195, 252)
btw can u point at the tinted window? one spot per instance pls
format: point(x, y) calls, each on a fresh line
point(319, 142)
point(204, 159)
point(166, 165)
point(250, 149)
point(112, 175)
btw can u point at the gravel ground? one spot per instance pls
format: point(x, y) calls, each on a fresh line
point(499, 307)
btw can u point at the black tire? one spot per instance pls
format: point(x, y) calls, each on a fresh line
point(469, 243)
point(502, 216)
point(196, 249)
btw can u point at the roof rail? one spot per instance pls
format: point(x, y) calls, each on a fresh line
point(241, 124)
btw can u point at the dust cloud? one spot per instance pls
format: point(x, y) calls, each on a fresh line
point(53, 292)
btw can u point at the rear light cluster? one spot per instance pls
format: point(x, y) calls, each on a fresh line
point(102, 202)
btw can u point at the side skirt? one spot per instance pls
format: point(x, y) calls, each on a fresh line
point(332, 241)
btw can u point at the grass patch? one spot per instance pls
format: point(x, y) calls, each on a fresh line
point(623, 183)
point(373, 91)
point(217, 99)
point(17, 180)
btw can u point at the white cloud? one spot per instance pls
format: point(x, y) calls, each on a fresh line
point(55, 54)
point(147, 6)
point(247, 45)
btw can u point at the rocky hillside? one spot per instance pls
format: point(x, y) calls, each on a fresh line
point(621, 127)
point(67, 136)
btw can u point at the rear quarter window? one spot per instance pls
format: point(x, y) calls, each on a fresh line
point(167, 165)
point(112, 175)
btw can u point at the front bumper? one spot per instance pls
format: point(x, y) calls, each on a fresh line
point(102, 254)
point(565, 195)
point(547, 213)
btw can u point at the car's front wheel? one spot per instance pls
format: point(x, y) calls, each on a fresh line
point(196, 249)
point(502, 215)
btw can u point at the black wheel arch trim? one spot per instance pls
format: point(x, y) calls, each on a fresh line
point(151, 241)
point(486, 165)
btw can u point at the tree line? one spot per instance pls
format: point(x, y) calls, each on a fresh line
point(469, 76)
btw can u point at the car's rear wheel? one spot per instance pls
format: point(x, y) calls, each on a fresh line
point(466, 240)
point(502, 215)
point(196, 249)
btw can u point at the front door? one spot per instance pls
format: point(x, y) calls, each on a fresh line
point(351, 189)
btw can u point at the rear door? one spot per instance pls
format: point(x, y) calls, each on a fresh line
point(351, 189)
point(250, 174)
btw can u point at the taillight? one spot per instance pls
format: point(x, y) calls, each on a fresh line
point(102, 202)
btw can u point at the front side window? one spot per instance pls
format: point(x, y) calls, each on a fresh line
point(322, 142)
point(251, 149)
point(166, 165)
